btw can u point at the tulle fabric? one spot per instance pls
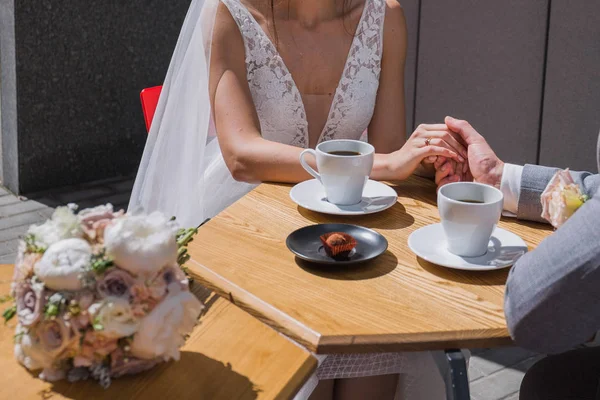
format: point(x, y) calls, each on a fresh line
point(182, 172)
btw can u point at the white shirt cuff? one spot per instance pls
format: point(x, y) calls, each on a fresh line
point(511, 188)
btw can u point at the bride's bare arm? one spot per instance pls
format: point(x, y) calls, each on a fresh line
point(387, 131)
point(248, 156)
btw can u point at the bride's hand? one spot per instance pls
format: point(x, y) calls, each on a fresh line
point(426, 142)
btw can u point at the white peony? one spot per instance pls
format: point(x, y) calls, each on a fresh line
point(142, 245)
point(113, 318)
point(64, 224)
point(162, 332)
point(63, 264)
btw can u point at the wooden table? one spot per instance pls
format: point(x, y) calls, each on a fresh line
point(396, 303)
point(230, 355)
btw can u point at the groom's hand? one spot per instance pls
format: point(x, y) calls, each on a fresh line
point(484, 165)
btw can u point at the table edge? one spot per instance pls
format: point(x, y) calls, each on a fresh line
point(322, 344)
point(255, 306)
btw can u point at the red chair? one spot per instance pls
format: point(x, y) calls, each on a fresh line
point(149, 98)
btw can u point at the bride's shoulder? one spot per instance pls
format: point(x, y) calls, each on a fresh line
point(259, 9)
point(394, 19)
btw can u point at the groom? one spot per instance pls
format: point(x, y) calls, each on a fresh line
point(552, 300)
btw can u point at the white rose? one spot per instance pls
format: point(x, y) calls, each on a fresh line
point(29, 353)
point(162, 332)
point(114, 318)
point(142, 244)
point(63, 225)
point(63, 263)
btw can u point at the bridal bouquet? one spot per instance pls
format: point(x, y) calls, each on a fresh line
point(101, 294)
point(561, 198)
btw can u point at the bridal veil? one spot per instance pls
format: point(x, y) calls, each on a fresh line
point(182, 172)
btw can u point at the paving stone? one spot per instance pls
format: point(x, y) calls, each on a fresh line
point(487, 362)
point(8, 258)
point(13, 233)
point(502, 383)
point(4, 192)
point(48, 201)
point(29, 218)
point(9, 247)
point(19, 208)
point(123, 186)
point(119, 200)
point(82, 195)
point(46, 213)
point(8, 199)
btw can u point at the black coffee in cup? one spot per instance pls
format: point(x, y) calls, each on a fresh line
point(344, 153)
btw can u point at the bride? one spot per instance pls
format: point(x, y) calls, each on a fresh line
point(254, 82)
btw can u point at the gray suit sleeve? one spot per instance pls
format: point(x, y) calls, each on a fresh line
point(535, 179)
point(552, 299)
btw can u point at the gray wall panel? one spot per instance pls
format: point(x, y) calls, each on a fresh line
point(484, 61)
point(80, 67)
point(411, 13)
point(571, 118)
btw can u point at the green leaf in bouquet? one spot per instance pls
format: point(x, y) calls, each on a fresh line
point(97, 325)
point(184, 237)
point(31, 246)
point(54, 305)
point(9, 313)
point(52, 310)
point(100, 263)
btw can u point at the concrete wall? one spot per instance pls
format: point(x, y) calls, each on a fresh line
point(80, 66)
point(524, 72)
point(571, 118)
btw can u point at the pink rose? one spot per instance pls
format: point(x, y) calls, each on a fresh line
point(23, 266)
point(561, 198)
point(95, 220)
point(30, 302)
point(124, 364)
point(96, 346)
point(53, 336)
point(116, 283)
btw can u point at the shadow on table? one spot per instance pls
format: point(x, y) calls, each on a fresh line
point(193, 376)
point(479, 278)
point(394, 217)
point(381, 266)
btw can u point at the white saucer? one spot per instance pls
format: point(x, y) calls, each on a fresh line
point(376, 197)
point(504, 250)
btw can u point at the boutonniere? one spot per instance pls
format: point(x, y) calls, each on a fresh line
point(561, 198)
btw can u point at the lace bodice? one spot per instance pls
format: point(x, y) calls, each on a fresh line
point(277, 99)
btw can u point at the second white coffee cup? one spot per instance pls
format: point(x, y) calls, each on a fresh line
point(343, 168)
point(469, 212)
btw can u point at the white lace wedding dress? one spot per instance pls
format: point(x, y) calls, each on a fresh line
point(182, 171)
point(283, 119)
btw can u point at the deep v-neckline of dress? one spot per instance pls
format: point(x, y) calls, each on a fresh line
point(295, 89)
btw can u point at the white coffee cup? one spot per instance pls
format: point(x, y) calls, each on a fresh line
point(343, 176)
point(469, 226)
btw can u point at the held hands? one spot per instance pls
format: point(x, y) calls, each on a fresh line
point(428, 143)
point(483, 164)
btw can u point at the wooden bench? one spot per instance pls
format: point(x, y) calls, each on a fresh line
point(230, 355)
